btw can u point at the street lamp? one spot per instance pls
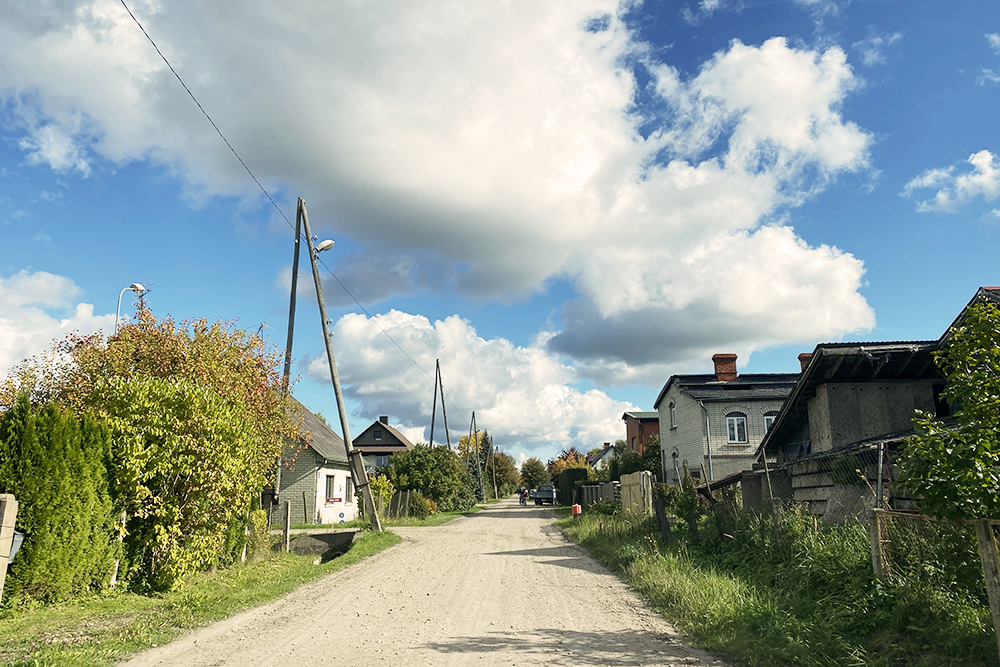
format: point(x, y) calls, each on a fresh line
point(135, 287)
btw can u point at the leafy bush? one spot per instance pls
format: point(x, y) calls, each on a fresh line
point(436, 472)
point(421, 506)
point(604, 508)
point(259, 540)
point(57, 467)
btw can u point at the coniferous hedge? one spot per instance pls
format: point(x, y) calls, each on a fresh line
point(56, 464)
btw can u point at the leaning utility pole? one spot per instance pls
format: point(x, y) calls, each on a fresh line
point(354, 456)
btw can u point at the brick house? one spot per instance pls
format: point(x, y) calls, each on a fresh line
point(716, 421)
point(639, 427)
point(315, 476)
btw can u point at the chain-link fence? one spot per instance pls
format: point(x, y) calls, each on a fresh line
point(908, 547)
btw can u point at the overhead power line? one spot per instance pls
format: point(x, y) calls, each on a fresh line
point(268, 195)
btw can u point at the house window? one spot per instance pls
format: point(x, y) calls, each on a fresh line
point(769, 420)
point(673, 414)
point(331, 488)
point(736, 427)
point(377, 434)
point(349, 491)
point(633, 444)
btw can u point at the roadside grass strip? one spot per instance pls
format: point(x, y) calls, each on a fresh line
point(102, 630)
point(799, 612)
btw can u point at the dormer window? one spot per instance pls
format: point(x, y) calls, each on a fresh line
point(736, 428)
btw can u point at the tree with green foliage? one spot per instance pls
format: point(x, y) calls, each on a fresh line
point(533, 473)
point(954, 464)
point(436, 472)
point(567, 458)
point(57, 466)
point(507, 476)
point(196, 416)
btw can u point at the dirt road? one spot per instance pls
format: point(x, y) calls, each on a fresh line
point(501, 587)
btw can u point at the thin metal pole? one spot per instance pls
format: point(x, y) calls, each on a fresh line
point(354, 456)
point(878, 486)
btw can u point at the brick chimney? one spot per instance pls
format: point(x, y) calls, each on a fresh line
point(725, 367)
point(384, 419)
point(606, 445)
point(804, 360)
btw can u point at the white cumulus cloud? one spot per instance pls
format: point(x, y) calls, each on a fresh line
point(486, 148)
point(954, 191)
point(524, 396)
point(38, 307)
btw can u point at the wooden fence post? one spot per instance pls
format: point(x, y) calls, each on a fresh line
point(875, 534)
point(991, 570)
point(8, 513)
point(288, 524)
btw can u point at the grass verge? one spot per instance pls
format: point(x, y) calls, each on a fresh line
point(100, 631)
point(814, 605)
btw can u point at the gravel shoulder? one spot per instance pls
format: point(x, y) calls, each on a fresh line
point(499, 587)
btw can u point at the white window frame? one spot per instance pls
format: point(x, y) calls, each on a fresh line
point(769, 421)
point(735, 422)
point(672, 410)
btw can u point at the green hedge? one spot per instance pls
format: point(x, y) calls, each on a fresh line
point(57, 466)
point(567, 483)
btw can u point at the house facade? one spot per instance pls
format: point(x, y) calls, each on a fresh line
point(639, 427)
point(380, 441)
point(715, 423)
point(315, 476)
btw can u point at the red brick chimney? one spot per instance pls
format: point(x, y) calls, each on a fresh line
point(804, 360)
point(725, 367)
point(606, 445)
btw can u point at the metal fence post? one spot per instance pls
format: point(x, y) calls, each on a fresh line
point(288, 524)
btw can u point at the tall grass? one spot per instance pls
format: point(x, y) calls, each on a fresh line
point(792, 592)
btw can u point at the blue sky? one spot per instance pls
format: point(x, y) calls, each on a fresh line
point(565, 203)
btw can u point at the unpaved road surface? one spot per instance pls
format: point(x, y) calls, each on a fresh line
point(501, 587)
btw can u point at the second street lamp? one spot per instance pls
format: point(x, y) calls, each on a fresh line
point(135, 287)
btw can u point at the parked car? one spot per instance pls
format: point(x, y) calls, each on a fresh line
point(531, 494)
point(545, 493)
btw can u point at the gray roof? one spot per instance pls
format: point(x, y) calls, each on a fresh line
point(744, 384)
point(319, 436)
point(749, 394)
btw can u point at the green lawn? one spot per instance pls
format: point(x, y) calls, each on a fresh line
point(103, 630)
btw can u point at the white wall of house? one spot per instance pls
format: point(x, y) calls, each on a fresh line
point(335, 501)
point(688, 437)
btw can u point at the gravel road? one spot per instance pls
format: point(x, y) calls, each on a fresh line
point(500, 587)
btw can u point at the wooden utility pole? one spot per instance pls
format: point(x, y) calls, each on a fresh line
point(439, 384)
point(358, 472)
point(444, 403)
point(990, 557)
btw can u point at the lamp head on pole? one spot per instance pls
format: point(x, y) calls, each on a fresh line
point(137, 288)
point(323, 245)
